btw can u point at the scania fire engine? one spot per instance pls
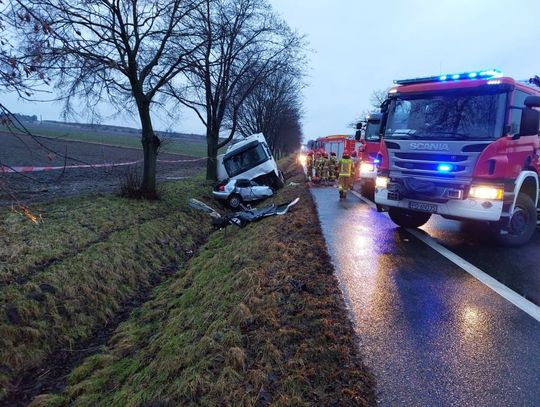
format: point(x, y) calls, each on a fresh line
point(464, 146)
point(369, 137)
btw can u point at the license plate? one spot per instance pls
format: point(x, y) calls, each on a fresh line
point(423, 207)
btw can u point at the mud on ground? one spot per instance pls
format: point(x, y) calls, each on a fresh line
point(47, 185)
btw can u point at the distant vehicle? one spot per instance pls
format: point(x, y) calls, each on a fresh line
point(250, 158)
point(370, 139)
point(465, 146)
point(334, 144)
point(237, 191)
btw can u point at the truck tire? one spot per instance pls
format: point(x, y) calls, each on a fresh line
point(234, 201)
point(407, 218)
point(278, 182)
point(522, 224)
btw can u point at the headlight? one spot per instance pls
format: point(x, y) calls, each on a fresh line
point(302, 159)
point(381, 182)
point(367, 167)
point(486, 192)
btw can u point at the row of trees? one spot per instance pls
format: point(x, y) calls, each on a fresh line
point(235, 63)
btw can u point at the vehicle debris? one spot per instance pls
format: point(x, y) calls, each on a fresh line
point(243, 217)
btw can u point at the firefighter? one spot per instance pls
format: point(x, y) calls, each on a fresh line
point(309, 165)
point(333, 166)
point(325, 168)
point(318, 166)
point(355, 167)
point(345, 175)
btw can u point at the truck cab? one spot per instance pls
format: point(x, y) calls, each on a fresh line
point(464, 146)
point(250, 158)
point(369, 136)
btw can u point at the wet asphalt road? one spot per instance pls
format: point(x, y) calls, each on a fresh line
point(431, 333)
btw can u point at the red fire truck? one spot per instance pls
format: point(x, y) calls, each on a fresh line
point(465, 146)
point(369, 137)
point(334, 144)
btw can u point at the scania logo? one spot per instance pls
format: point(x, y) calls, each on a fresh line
point(429, 146)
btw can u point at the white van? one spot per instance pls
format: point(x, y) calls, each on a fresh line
point(250, 158)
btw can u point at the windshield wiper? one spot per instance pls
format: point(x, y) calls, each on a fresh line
point(461, 136)
point(403, 132)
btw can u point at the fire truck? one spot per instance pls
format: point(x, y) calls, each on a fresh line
point(368, 134)
point(334, 144)
point(464, 146)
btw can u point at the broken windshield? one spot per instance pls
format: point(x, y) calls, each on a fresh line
point(447, 116)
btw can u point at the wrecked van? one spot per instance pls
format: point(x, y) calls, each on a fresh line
point(250, 158)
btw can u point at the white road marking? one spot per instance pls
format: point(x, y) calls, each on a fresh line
point(508, 294)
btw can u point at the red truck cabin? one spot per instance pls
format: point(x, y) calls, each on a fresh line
point(464, 146)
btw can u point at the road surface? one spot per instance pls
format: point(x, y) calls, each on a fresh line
point(431, 332)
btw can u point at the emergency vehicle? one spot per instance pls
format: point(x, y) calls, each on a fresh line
point(464, 146)
point(334, 144)
point(370, 138)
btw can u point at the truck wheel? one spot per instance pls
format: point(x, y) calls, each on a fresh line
point(234, 201)
point(522, 224)
point(278, 182)
point(407, 218)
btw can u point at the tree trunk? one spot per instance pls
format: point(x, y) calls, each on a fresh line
point(150, 145)
point(212, 140)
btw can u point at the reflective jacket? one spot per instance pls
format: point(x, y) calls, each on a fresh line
point(345, 167)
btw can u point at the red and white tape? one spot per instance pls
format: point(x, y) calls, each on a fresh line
point(27, 169)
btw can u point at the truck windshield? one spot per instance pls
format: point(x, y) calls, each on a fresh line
point(372, 131)
point(245, 160)
point(447, 116)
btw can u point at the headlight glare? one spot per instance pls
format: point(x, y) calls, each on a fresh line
point(486, 192)
point(382, 182)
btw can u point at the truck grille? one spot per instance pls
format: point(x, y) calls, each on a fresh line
point(409, 162)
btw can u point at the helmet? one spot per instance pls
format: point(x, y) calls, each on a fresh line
point(346, 154)
point(325, 154)
point(310, 153)
point(333, 154)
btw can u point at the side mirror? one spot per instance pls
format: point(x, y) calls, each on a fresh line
point(358, 135)
point(530, 121)
point(385, 105)
point(359, 126)
point(532, 101)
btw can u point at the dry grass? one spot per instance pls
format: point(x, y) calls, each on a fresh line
point(63, 279)
point(255, 319)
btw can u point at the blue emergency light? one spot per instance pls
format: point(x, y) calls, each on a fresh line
point(486, 74)
point(444, 168)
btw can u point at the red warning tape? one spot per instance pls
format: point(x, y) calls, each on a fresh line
point(27, 169)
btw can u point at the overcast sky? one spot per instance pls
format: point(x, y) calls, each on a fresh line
point(360, 46)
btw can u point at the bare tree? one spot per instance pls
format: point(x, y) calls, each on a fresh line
point(375, 100)
point(121, 51)
point(243, 41)
point(274, 108)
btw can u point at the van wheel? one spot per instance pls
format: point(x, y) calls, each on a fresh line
point(234, 201)
point(407, 218)
point(522, 224)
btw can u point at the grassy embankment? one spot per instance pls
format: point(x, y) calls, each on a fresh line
point(172, 145)
point(65, 279)
point(256, 318)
